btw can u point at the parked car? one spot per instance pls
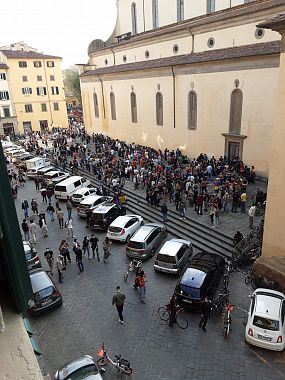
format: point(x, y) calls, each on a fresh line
point(83, 368)
point(266, 320)
point(123, 227)
point(105, 214)
point(46, 294)
point(20, 162)
point(81, 194)
point(68, 186)
point(200, 279)
point(90, 203)
point(173, 256)
point(146, 240)
point(41, 172)
point(53, 177)
point(32, 258)
point(38, 171)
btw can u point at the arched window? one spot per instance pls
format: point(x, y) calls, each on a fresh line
point(180, 10)
point(113, 106)
point(159, 108)
point(96, 108)
point(155, 13)
point(134, 112)
point(236, 112)
point(134, 18)
point(192, 110)
point(210, 6)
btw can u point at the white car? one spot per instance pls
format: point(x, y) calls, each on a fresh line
point(266, 320)
point(54, 176)
point(123, 227)
point(81, 194)
point(90, 203)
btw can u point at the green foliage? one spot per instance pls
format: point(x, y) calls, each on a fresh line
point(72, 82)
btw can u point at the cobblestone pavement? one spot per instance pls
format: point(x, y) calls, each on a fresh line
point(87, 319)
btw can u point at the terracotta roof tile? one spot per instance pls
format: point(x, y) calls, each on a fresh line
point(252, 50)
point(27, 54)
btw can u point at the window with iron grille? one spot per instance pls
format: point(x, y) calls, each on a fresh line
point(41, 91)
point(27, 91)
point(28, 108)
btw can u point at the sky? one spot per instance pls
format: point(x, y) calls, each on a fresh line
point(58, 27)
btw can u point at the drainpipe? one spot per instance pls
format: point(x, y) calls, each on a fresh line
point(103, 98)
point(144, 15)
point(114, 58)
point(192, 35)
point(174, 98)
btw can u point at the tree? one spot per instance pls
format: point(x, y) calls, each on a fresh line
point(72, 82)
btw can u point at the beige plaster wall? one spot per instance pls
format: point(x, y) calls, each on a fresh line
point(214, 93)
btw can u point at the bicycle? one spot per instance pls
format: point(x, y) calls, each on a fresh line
point(131, 266)
point(164, 314)
point(228, 319)
point(122, 365)
point(218, 305)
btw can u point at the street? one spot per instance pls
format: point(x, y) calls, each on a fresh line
point(155, 351)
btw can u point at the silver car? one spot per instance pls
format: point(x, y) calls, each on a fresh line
point(83, 368)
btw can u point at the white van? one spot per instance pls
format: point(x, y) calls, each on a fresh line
point(68, 186)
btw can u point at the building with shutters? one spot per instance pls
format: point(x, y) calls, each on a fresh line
point(194, 74)
point(8, 119)
point(36, 89)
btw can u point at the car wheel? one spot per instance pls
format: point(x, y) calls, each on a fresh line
point(128, 239)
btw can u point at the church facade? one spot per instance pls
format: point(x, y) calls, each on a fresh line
point(193, 74)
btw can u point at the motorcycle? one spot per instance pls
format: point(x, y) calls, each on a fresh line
point(122, 365)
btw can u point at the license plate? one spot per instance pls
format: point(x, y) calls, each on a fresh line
point(266, 338)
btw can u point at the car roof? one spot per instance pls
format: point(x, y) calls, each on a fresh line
point(74, 365)
point(82, 190)
point(143, 232)
point(207, 259)
point(171, 247)
point(120, 221)
point(90, 199)
point(47, 169)
point(103, 208)
point(52, 172)
point(268, 303)
point(40, 280)
point(193, 277)
point(71, 179)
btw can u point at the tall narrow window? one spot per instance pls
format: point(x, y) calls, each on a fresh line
point(210, 6)
point(134, 111)
point(192, 110)
point(113, 106)
point(96, 107)
point(155, 13)
point(236, 112)
point(180, 10)
point(159, 108)
point(134, 18)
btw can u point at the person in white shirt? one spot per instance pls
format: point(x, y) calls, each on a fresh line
point(69, 225)
point(251, 214)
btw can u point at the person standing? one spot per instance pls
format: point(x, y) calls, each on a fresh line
point(44, 195)
point(86, 247)
point(140, 281)
point(33, 229)
point(119, 300)
point(34, 206)
point(37, 183)
point(164, 210)
point(106, 248)
point(50, 210)
point(59, 267)
point(43, 225)
point(243, 199)
point(49, 258)
point(63, 250)
point(69, 226)
point(206, 310)
point(94, 246)
point(78, 254)
point(172, 308)
point(25, 229)
point(68, 208)
point(25, 208)
point(60, 217)
point(251, 214)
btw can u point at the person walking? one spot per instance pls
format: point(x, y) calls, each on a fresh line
point(33, 229)
point(94, 246)
point(206, 310)
point(69, 226)
point(68, 208)
point(34, 206)
point(172, 308)
point(251, 214)
point(140, 281)
point(243, 199)
point(119, 300)
point(25, 229)
point(25, 208)
point(78, 254)
point(63, 250)
point(164, 210)
point(60, 217)
point(59, 267)
point(106, 248)
point(37, 183)
point(49, 258)
point(43, 225)
point(44, 195)
point(50, 211)
point(86, 246)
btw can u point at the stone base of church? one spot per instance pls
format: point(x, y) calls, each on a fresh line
point(273, 268)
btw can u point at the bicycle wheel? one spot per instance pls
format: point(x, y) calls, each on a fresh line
point(181, 321)
point(128, 370)
point(102, 361)
point(126, 275)
point(163, 313)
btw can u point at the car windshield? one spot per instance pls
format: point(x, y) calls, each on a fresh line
point(82, 373)
point(266, 323)
point(77, 196)
point(191, 292)
point(166, 259)
point(41, 294)
point(136, 245)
